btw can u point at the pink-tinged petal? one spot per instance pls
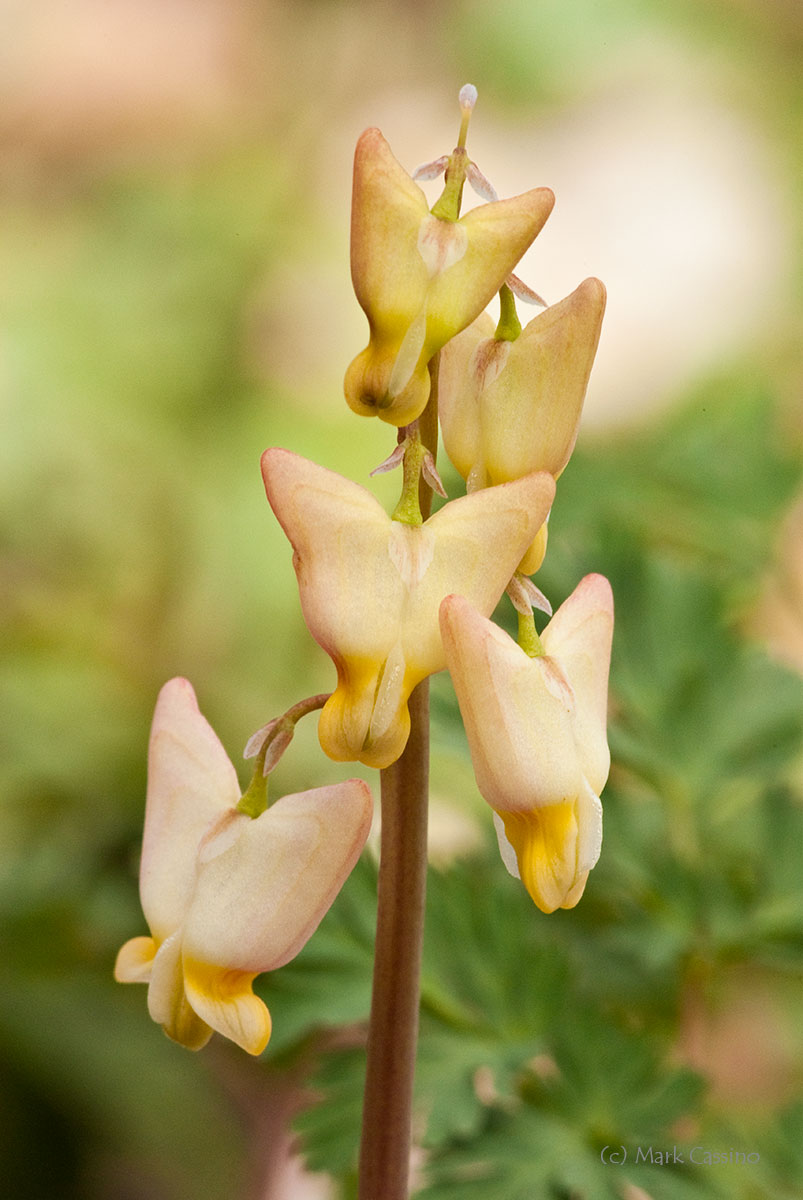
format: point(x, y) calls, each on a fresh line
point(259, 900)
point(510, 408)
point(477, 542)
point(470, 545)
point(579, 637)
point(349, 589)
point(517, 711)
point(388, 275)
point(135, 961)
point(190, 782)
point(531, 414)
point(224, 1000)
point(167, 1000)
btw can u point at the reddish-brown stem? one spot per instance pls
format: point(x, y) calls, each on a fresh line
point(393, 1030)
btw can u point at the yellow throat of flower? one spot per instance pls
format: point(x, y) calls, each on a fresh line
point(545, 842)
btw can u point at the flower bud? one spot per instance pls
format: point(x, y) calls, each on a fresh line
point(420, 279)
point(508, 408)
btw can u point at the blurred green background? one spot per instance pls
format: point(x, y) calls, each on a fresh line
point(175, 297)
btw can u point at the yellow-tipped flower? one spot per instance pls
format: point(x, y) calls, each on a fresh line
point(536, 731)
point(421, 279)
point(508, 408)
point(370, 587)
point(225, 896)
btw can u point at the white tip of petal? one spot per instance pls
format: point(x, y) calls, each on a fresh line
point(467, 96)
point(507, 852)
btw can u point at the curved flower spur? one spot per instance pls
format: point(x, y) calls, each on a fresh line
point(227, 896)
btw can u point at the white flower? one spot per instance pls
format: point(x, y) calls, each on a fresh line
point(226, 896)
point(536, 731)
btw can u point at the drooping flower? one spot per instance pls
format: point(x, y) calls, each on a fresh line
point(370, 587)
point(225, 896)
point(419, 278)
point(536, 731)
point(508, 408)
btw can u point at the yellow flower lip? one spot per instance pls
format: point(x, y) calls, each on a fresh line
point(420, 279)
point(226, 896)
point(545, 843)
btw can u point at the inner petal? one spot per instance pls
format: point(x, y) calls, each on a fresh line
point(168, 1003)
point(441, 244)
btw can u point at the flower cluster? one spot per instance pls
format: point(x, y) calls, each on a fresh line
point(232, 886)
